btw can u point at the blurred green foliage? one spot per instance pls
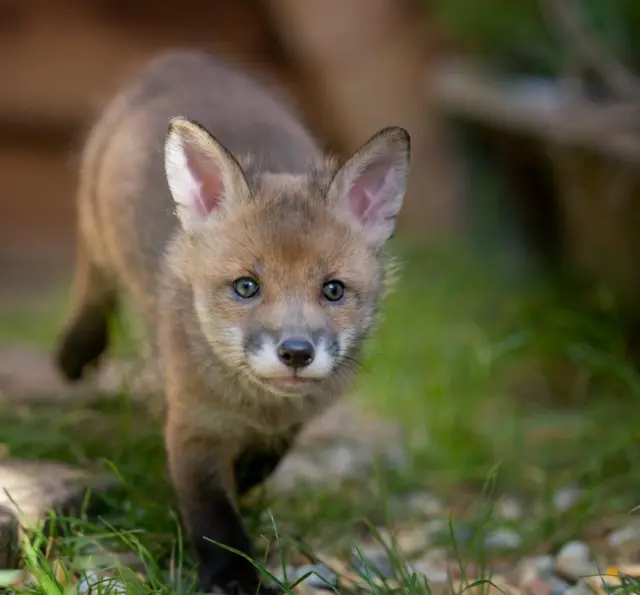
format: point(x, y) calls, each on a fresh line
point(515, 36)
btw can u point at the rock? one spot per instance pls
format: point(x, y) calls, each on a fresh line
point(439, 529)
point(463, 533)
point(30, 489)
point(508, 508)
point(412, 540)
point(374, 563)
point(344, 441)
point(347, 418)
point(432, 573)
point(496, 587)
point(626, 541)
point(545, 565)
point(25, 371)
point(581, 588)
point(397, 457)
point(537, 586)
point(97, 557)
point(565, 498)
point(503, 539)
point(526, 572)
point(423, 503)
point(531, 569)
point(632, 570)
point(557, 586)
point(321, 577)
point(606, 583)
point(574, 561)
point(342, 461)
point(296, 469)
point(575, 549)
point(96, 583)
point(28, 374)
point(536, 576)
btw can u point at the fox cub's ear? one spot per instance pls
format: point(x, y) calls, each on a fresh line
point(203, 177)
point(369, 188)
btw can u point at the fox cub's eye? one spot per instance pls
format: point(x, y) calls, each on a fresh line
point(246, 287)
point(333, 290)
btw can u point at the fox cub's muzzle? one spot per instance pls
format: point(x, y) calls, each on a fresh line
point(296, 353)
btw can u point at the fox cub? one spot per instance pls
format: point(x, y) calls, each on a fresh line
point(254, 262)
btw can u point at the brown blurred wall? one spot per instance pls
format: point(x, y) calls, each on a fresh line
point(61, 60)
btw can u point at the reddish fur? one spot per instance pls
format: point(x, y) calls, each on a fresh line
point(131, 246)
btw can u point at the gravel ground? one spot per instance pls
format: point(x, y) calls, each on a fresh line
point(325, 455)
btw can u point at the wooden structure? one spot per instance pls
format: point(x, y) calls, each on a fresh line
point(59, 62)
point(353, 67)
point(569, 166)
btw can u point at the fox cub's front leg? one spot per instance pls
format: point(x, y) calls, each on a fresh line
point(202, 474)
point(254, 465)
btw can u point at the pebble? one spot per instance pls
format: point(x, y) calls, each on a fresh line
point(545, 566)
point(626, 540)
point(580, 588)
point(508, 508)
point(439, 529)
point(557, 586)
point(423, 503)
point(431, 573)
point(565, 498)
point(503, 539)
point(321, 577)
point(412, 540)
point(527, 572)
point(534, 575)
point(575, 549)
point(342, 461)
point(574, 561)
point(93, 582)
point(463, 533)
point(398, 458)
point(372, 563)
point(537, 586)
point(297, 469)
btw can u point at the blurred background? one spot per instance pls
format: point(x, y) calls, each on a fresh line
point(512, 335)
point(351, 67)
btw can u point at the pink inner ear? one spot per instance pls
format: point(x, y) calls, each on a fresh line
point(209, 187)
point(366, 194)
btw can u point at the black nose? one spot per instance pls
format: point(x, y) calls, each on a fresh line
point(296, 353)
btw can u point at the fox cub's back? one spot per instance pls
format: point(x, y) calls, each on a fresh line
point(256, 264)
point(125, 205)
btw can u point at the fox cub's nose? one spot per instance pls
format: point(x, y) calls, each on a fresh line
point(296, 353)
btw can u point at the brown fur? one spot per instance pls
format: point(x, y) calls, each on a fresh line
point(281, 226)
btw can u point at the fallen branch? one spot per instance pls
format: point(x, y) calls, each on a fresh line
point(605, 128)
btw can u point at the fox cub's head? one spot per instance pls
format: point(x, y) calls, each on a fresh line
point(286, 270)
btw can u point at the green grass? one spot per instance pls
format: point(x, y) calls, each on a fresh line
point(517, 37)
point(499, 388)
